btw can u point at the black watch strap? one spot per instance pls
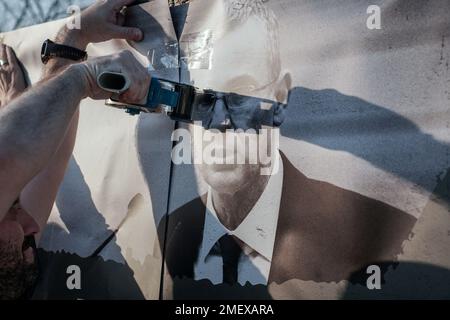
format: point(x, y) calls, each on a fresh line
point(51, 50)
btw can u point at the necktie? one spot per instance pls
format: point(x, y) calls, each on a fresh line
point(231, 252)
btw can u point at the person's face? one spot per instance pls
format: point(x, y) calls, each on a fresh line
point(18, 269)
point(241, 65)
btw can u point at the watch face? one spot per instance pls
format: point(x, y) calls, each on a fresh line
point(44, 52)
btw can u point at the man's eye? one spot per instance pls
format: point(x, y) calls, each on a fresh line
point(206, 103)
point(203, 107)
point(235, 100)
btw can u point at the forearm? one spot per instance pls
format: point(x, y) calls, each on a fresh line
point(39, 195)
point(32, 140)
point(71, 38)
point(31, 129)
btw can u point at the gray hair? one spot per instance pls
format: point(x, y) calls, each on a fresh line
point(239, 11)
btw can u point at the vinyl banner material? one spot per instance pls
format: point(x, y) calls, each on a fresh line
point(358, 205)
point(319, 167)
point(115, 189)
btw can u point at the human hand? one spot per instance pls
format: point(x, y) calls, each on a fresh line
point(12, 81)
point(100, 22)
point(123, 62)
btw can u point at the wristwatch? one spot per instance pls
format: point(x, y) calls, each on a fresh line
point(51, 50)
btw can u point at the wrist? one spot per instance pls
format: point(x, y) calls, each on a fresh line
point(72, 38)
point(80, 76)
point(69, 38)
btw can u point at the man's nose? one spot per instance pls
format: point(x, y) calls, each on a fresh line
point(28, 223)
point(220, 118)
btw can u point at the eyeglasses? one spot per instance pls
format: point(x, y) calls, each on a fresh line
point(186, 103)
point(244, 112)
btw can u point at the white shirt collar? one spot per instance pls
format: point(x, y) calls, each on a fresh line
point(258, 229)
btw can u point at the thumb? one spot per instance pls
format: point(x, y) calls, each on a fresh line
point(128, 33)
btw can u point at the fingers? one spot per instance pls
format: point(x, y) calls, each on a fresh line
point(118, 4)
point(138, 91)
point(11, 56)
point(139, 79)
point(8, 60)
point(15, 67)
point(127, 33)
point(3, 54)
point(125, 63)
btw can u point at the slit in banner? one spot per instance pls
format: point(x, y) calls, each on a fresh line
point(164, 59)
point(197, 50)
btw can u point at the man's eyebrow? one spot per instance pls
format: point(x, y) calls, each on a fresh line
point(242, 82)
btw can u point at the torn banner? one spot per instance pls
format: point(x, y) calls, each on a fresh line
point(364, 151)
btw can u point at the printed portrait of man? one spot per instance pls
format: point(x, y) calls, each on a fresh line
point(255, 228)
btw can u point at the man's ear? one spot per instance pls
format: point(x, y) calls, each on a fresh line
point(282, 90)
point(283, 87)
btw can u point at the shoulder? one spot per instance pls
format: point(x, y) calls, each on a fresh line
point(336, 230)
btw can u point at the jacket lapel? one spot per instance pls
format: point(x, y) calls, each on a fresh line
point(183, 237)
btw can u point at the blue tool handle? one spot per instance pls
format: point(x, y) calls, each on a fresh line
point(157, 95)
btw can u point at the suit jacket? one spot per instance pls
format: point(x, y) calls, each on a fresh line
point(324, 233)
point(100, 279)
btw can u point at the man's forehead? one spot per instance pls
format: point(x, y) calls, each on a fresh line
point(244, 42)
point(242, 53)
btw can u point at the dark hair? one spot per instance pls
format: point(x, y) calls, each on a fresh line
point(239, 11)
